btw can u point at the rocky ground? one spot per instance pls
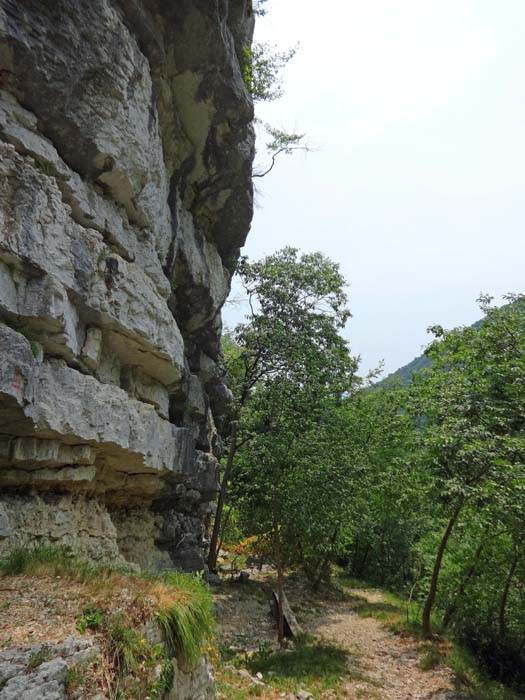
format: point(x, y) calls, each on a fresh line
point(40, 643)
point(391, 661)
point(380, 665)
point(63, 638)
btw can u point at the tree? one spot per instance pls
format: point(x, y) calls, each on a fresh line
point(288, 365)
point(388, 504)
point(258, 7)
point(282, 143)
point(295, 479)
point(261, 68)
point(471, 408)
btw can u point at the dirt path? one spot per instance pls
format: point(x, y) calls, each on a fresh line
point(383, 665)
point(388, 660)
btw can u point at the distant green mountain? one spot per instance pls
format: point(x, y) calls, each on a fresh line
point(405, 373)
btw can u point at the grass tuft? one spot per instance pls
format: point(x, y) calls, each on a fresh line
point(51, 561)
point(180, 603)
point(75, 677)
point(188, 624)
point(433, 657)
point(39, 657)
point(127, 648)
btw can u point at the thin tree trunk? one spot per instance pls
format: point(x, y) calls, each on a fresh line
point(451, 609)
point(224, 527)
point(319, 577)
point(431, 597)
point(355, 554)
point(324, 563)
point(410, 599)
point(364, 559)
point(504, 598)
point(214, 541)
point(280, 584)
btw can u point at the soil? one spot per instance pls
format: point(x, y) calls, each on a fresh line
point(386, 665)
point(390, 660)
point(38, 609)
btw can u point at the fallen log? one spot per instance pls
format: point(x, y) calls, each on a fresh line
point(291, 627)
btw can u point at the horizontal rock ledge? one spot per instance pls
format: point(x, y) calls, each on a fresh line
point(58, 407)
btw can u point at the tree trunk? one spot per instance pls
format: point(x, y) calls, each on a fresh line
point(368, 549)
point(431, 597)
point(355, 554)
point(504, 598)
point(324, 564)
point(224, 527)
point(280, 584)
point(214, 541)
point(320, 571)
point(451, 609)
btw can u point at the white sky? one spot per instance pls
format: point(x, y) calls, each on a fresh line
point(417, 109)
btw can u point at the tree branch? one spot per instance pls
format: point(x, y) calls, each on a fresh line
point(285, 149)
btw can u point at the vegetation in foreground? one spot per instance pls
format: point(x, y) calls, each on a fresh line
point(134, 665)
point(308, 664)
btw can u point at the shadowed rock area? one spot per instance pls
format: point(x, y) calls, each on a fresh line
point(126, 147)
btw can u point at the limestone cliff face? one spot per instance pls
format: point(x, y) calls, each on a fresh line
point(125, 194)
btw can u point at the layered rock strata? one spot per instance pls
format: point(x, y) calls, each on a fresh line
point(125, 194)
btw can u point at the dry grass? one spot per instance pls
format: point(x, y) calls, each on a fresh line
point(48, 595)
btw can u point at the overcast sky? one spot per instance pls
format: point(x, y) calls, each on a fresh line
point(417, 111)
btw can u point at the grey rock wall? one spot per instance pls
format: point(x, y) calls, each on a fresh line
point(126, 146)
point(18, 681)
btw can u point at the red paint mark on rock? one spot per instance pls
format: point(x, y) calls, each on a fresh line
point(17, 381)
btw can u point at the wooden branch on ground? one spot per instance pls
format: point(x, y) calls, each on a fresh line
point(291, 627)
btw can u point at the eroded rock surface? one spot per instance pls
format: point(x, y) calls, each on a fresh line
point(40, 670)
point(125, 194)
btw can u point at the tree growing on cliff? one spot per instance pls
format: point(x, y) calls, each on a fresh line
point(262, 65)
point(261, 68)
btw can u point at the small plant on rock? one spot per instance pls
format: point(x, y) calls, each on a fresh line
point(39, 657)
point(91, 618)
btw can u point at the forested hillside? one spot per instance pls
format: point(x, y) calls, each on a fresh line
point(404, 374)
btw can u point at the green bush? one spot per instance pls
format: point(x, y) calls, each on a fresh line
point(39, 657)
point(57, 561)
